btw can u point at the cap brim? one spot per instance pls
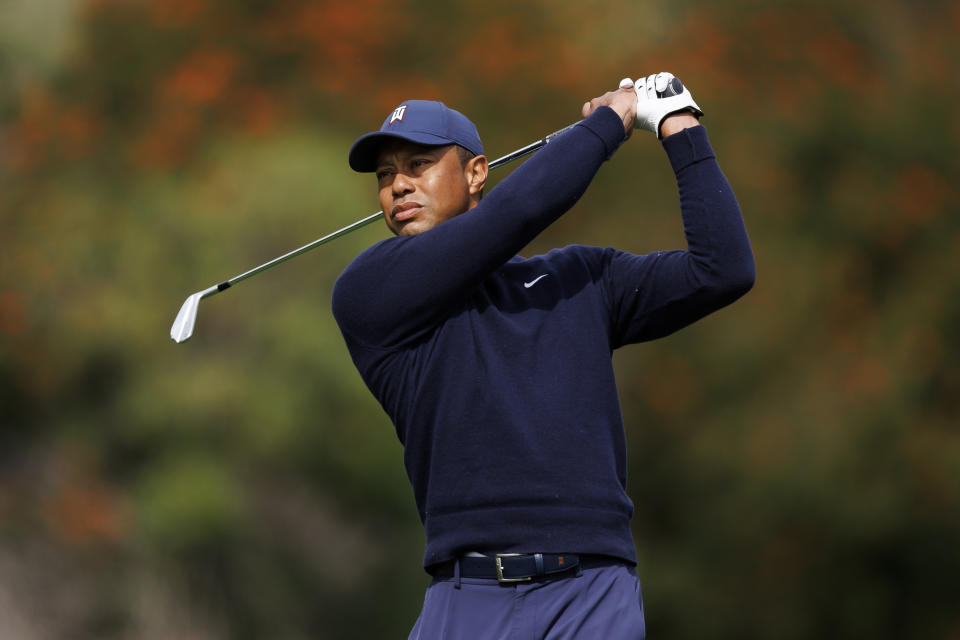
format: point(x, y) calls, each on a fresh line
point(363, 153)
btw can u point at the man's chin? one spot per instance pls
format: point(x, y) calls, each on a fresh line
point(413, 227)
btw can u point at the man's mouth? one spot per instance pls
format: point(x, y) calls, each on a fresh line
point(405, 211)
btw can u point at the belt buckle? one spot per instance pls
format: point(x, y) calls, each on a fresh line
point(499, 564)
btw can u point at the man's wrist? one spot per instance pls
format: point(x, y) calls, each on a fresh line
point(677, 122)
point(606, 124)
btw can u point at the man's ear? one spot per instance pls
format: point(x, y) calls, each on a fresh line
point(476, 171)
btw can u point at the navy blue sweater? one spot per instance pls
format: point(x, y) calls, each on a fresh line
point(502, 391)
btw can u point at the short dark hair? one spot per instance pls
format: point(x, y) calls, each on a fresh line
point(465, 155)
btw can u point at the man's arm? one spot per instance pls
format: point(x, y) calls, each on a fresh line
point(654, 295)
point(403, 286)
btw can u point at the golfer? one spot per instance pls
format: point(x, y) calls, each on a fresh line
point(496, 369)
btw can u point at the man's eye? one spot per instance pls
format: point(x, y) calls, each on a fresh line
point(420, 162)
point(382, 174)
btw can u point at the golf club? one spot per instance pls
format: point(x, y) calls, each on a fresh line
point(182, 327)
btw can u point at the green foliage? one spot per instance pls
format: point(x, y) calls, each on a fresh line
point(794, 458)
point(188, 502)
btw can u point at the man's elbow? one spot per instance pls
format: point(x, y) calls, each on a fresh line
point(740, 279)
point(730, 282)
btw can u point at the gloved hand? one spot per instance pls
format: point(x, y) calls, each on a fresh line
point(658, 96)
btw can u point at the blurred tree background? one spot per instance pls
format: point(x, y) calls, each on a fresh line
point(794, 458)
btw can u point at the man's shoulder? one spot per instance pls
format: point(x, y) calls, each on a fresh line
point(367, 260)
point(374, 250)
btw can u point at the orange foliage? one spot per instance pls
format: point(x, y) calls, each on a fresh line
point(47, 130)
point(491, 51)
point(838, 60)
point(168, 140)
point(12, 313)
point(708, 42)
point(26, 141)
point(389, 95)
point(793, 94)
point(345, 27)
point(86, 511)
point(341, 32)
point(700, 46)
point(796, 56)
point(576, 69)
point(343, 41)
point(673, 389)
point(176, 13)
point(919, 194)
point(868, 378)
point(77, 129)
point(257, 111)
point(201, 78)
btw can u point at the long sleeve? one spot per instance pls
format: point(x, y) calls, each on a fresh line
point(656, 294)
point(402, 286)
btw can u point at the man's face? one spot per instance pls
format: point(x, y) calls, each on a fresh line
point(421, 186)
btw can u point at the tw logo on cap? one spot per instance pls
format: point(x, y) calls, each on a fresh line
point(398, 114)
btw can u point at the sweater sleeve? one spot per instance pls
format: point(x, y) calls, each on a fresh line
point(401, 287)
point(656, 294)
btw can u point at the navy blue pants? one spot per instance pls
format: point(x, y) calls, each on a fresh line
point(600, 602)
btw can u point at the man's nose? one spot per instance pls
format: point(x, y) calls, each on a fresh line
point(402, 184)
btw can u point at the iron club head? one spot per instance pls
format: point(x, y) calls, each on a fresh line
point(182, 327)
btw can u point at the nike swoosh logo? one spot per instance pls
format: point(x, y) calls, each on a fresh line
point(527, 285)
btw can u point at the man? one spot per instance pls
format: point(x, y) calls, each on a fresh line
point(496, 370)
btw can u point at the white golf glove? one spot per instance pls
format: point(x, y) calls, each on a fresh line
point(658, 96)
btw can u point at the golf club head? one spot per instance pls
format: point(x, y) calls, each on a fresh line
point(182, 327)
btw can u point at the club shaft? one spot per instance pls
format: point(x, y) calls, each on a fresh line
point(296, 252)
point(530, 148)
point(499, 162)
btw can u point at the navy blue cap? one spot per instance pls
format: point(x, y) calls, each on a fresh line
point(421, 121)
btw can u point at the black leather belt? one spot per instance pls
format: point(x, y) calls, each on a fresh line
point(510, 567)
